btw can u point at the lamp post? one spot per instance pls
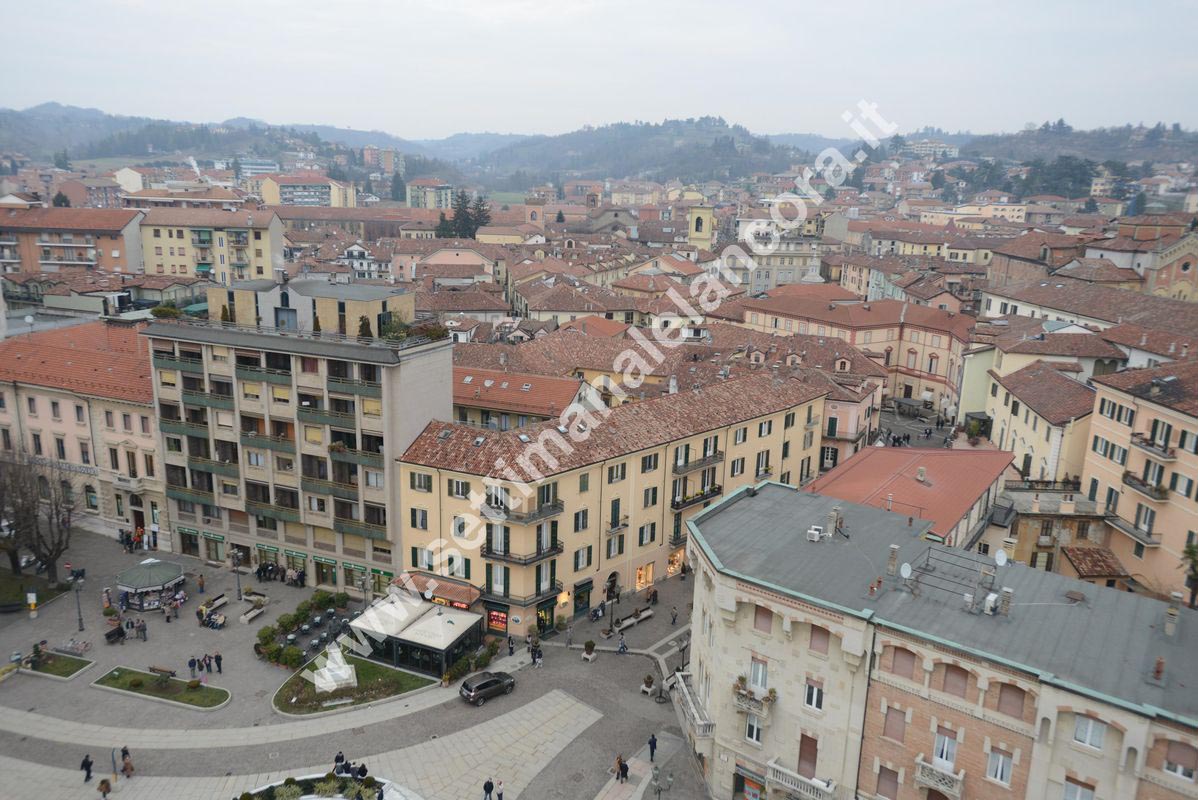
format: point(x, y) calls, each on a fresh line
point(362, 586)
point(236, 571)
point(685, 643)
point(78, 605)
point(661, 784)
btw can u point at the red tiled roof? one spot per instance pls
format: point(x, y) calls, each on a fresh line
point(209, 217)
point(97, 358)
point(1042, 388)
point(596, 326)
point(1094, 562)
point(104, 220)
point(513, 391)
point(1172, 385)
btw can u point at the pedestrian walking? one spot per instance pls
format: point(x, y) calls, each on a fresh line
point(488, 789)
point(619, 768)
point(86, 766)
point(674, 615)
point(623, 648)
point(623, 771)
point(200, 582)
point(218, 660)
point(569, 635)
point(104, 787)
point(127, 767)
point(200, 616)
point(528, 642)
point(207, 662)
point(124, 753)
point(511, 646)
point(191, 665)
point(499, 791)
point(652, 746)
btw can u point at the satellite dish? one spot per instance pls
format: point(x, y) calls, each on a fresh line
point(1000, 558)
point(905, 571)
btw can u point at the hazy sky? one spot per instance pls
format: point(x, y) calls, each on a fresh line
point(428, 68)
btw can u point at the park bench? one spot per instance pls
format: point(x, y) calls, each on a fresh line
point(216, 602)
point(163, 674)
point(636, 617)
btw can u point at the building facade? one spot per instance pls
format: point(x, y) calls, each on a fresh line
point(56, 239)
point(221, 245)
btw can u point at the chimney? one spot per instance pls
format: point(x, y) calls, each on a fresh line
point(1008, 544)
point(1143, 339)
point(1004, 601)
point(1068, 505)
point(503, 359)
point(890, 501)
point(921, 474)
point(1158, 668)
point(1172, 613)
point(833, 520)
point(1185, 348)
point(892, 561)
point(1036, 503)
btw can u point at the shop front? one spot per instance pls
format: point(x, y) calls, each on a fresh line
point(380, 579)
point(295, 560)
point(214, 547)
point(189, 541)
point(241, 551)
point(644, 576)
point(352, 575)
point(582, 597)
point(674, 562)
point(545, 612)
point(497, 617)
point(423, 637)
point(748, 784)
point(325, 571)
point(268, 554)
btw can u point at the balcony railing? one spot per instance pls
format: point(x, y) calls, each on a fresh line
point(1142, 441)
point(268, 442)
point(748, 703)
point(693, 709)
point(1146, 538)
point(1159, 492)
point(813, 422)
point(273, 511)
point(189, 495)
point(932, 777)
point(1044, 486)
point(679, 503)
point(209, 400)
point(796, 785)
point(699, 463)
point(182, 427)
point(351, 386)
point(543, 511)
point(765, 472)
point(324, 416)
point(540, 554)
point(162, 361)
point(552, 590)
point(227, 468)
point(129, 484)
point(359, 528)
point(363, 458)
point(344, 491)
point(617, 525)
point(266, 374)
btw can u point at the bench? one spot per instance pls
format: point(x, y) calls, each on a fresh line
point(636, 617)
point(214, 603)
point(163, 674)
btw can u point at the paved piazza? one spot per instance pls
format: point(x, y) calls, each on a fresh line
point(556, 736)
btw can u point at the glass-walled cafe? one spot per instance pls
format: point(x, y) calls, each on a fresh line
point(421, 636)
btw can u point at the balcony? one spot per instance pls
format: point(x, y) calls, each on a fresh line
point(692, 708)
point(134, 484)
point(678, 539)
point(265, 374)
point(1158, 492)
point(552, 590)
point(1146, 538)
point(189, 495)
point(932, 777)
point(272, 511)
point(344, 491)
point(679, 503)
point(528, 558)
point(1142, 441)
point(765, 473)
point(208, 400)
point(201, 239)
point(617, 525)
point(265, 441)
point(543, 511)
point(163, 361)
point(362, 458)
point(359, 528)
point(182, 427)
point(323, 416)
point(1044, 486)
point(699, 463)
point(796, 785)
point(813, 422)
point(747, 703)
point(351, 386)
point(227, 468)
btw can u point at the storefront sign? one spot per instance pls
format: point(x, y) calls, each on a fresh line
point(216, 537)
point(376, 571)
point(323, 560)
point(441, 601)
point(191, 531)
point(497, 621)
point(348, 565)
point(270, 548)
point(294, 554)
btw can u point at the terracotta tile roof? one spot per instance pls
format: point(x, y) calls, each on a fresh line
point(1126, 244)
point(1097, 270)
point(449, 301)
point(1094, 562)
point(814, 291)
point(1078, 345)
point(559, 353)
point(1042, 388)
point(1106, 303)
point(1172, 385)
point(96, 358)
point(865, 315)
point(208, 218)
point(100, 220)
point(955, 480)
point(627, 429)
point(513, 391)
point(596, 326)
point(561, 296)
point(1062, 247)
point(1160, 342)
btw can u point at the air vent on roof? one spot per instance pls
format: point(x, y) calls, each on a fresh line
point(562, 429)
point(443, 435)
point(468, 379)
point(1074, 596)
point(478, 440)
point(524, 437)
point(526, 387)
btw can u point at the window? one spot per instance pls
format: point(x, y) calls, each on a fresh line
point(315, 503)
point(85, 454)
point(1010, 700)
point(1181, 760)
point(31, 403)
point(616, 472)
point(1077, 791)
point(459, 489)
point(649, 463)
point(789, 420)
point(819, 640)
point(582, 558)
point(887, 783)
point(999, 767)
point(421, 481)
point(813, 695)
point(254, 458)
point(741, 435)
point(758, 674)
point(374, 479)
point(459, 527)
point(944, 751)
point(79, 413)
point(149, 459)
point(615, 546)
point(60, 448)
point(738, 466)
point(647, 533)
point(422, 558)
point(1089, 731)
point(114, 460)
point(419, 519)
point(651, 497)
point(765, 428)
point(127, 421)
point(903, 663)
point(753, 729)
point(581, 520)
point(584, 482)
point(763, 619)
point(895, 726)
point(956, 680)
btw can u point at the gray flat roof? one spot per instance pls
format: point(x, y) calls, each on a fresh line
point(323, 345)
point(1104, 645)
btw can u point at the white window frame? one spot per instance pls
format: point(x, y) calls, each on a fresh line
point(813, 696)
point(752, 729)
point(998, 767)
point(1086, 730)
point(944, 752)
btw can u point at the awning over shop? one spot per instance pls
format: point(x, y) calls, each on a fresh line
point(443, 590)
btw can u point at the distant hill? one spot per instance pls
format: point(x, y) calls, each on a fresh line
point(810, 142)
point(1129, 143)
point(351, 137)
point(467, 146)
point(690, 150)
point(41, 130)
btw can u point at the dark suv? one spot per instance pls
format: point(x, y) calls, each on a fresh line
point(478, 688)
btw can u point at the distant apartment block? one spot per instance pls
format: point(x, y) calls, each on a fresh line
point(305, 190)
point(54, 239)
point(222, 245)
point(429, 193)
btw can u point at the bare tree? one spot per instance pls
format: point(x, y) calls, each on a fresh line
point(42, 497)
point(9, 543)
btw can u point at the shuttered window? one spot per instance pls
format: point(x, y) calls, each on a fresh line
point(896, 724)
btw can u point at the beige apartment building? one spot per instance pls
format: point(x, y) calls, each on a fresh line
point(1041, 414)
point(276, 445)
point(1141, 466)
point(223, 246)
point(835, 655)
point(605, 512)
point(57, 239)
point(79, 399)
point(308, 304)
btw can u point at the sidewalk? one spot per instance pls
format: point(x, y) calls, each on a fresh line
point(640, 770)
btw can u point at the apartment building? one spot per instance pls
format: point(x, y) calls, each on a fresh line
point(56, 239)
point(276, 444)
point(80, 399)
point(576, 516)
point(836, 655)
point(502, 400)
point(1141, 464)
point(429, 193)
point(312, 305)
point(221, 245)
point(305, 190)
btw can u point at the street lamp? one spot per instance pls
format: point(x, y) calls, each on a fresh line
point(659, 784)
point(78, 605)
point(685, 643)
point(362, 586)
point(236, 571)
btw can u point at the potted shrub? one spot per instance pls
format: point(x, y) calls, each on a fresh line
point(109, 612)
point(741, 684)
point(303, 611)
point(445, 680)
point(974, 441)
point(341, 600)
point(589, 646)
point(267, 634)
point(648, 681)
point(286, 622)
point(771, 696)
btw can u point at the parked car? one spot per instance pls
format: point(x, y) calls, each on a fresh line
point(477, 689)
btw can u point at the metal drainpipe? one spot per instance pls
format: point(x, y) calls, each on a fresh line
point(861, 742)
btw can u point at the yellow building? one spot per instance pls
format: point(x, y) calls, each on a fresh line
point(1043, 417)
point(305, 190)
point(221, 245)
point(700, 226)
point(298, 304)
point(545, 522)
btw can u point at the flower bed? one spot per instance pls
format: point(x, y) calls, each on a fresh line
point(375, 682)
point(179, 691)
point(60, 665)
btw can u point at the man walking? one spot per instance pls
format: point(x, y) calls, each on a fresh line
point(200, 582)
point(86, 766)
point(674, 615)
point(488, 788)
point(623, 648)
point(569, 635)
point(652, 746)
point(511, 646)
point(191, 665)
point(217, 658)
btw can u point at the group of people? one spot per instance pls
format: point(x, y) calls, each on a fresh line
point(343, 766)
point(268, 571)
point(133, 540)
point(105, 785)
point(492, 790)
point(138, 626)
point(204, 666)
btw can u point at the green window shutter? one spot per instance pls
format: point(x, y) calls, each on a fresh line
point(490, 529)
point(467, 568)
point(487, 573)
point(507, 539)
point(415, 557)
point(588, 555)
point(507, 581)
point(621, 545)
point(553, 571)
point(537, 576)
